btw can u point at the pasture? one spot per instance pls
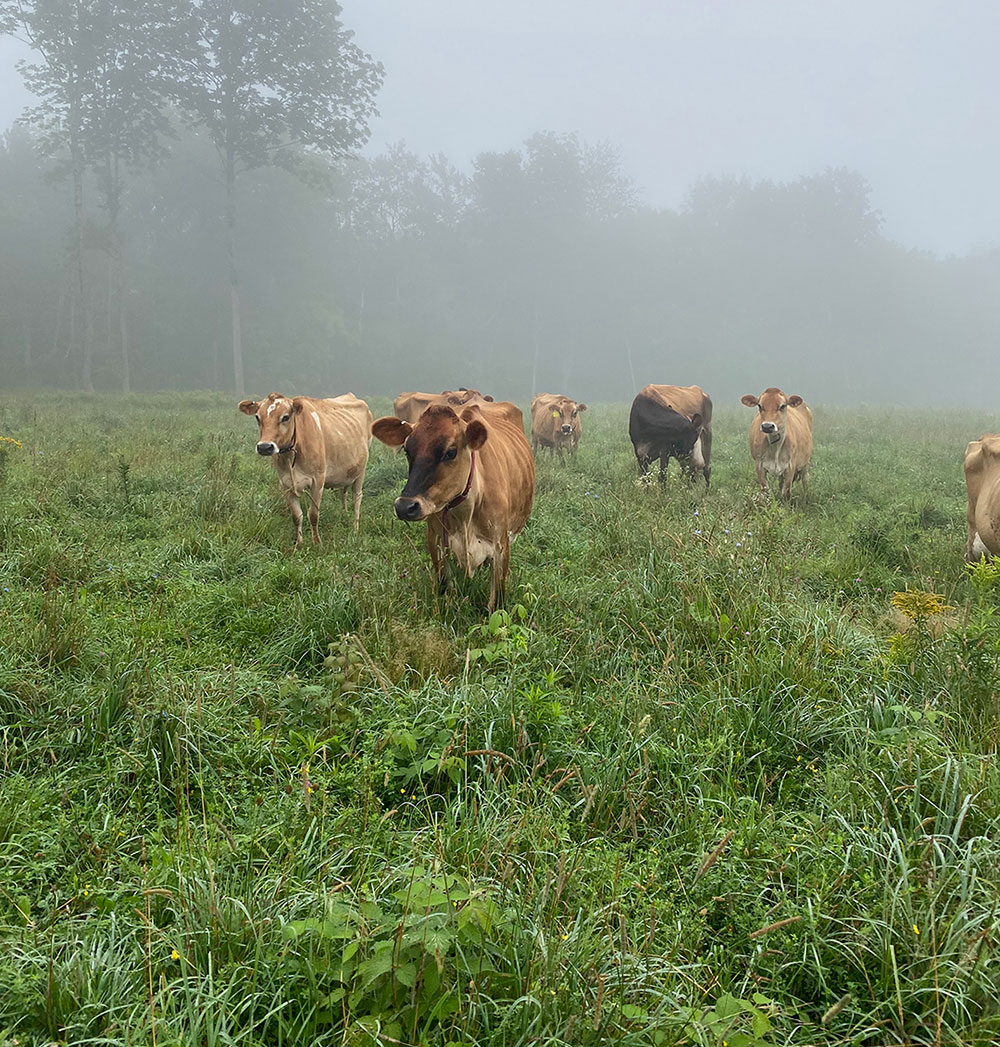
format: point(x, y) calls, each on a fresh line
point(704, 782)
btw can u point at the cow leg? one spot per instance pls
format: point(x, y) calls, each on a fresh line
point(316, 496)
point(663, 467)
point(706, 453)
point(357, 491)
point(292, 500)
point(343, 497)
point(761, 478)
point(786, 484)
point(498, 577)
point(438, 559)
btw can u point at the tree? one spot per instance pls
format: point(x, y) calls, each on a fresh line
point(101, 84)
point(266, 78)
point(56, 29)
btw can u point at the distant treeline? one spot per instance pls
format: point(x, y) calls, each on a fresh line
point(539, 269)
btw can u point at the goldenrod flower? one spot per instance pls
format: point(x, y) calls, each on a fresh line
point(919, 606)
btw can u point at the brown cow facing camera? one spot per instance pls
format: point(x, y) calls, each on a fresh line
point(781, 440)
point(555, 423)
point(314, 444)
point(471, 478)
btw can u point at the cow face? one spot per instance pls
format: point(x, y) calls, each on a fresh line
point(439, 451)
point(566, 417)
point(276, 418)
point(772, 412)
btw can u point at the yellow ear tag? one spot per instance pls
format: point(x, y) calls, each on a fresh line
point(555, 414)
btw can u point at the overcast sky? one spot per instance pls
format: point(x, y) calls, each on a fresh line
point(905, 91)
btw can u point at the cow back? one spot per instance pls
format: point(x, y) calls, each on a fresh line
point(687, 400)
point(333, 434)
point(506, 467)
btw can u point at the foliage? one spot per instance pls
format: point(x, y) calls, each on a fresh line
point(256, 795)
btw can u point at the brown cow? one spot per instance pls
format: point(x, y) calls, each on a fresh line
point(672, 421)
point(555, 423)
point(472, 478)
point(781, 440)
point(982, 479)
point(314, 444)
point(410, 406)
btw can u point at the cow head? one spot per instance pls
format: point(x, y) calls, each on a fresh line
point(276, 417)
point(772, 412)
point(439, 451)
point(566, 416)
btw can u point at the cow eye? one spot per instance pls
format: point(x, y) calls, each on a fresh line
point(285, 417)
point(450, 454)
point(783, 406)
point(760, 407)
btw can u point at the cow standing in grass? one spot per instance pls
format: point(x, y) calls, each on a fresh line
point(982, 481)
point(781, 440)
point(672, 421)
point(314, 444)
point(555, 423)
point(471, 478)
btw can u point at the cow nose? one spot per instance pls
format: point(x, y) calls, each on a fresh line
point(265, 448)
point(567, 429)
point(407, 508)
point(767, 427)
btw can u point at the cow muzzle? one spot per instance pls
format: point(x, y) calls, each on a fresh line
point(409, 508)
point(768, 427)
point(567, 430)
point(266, 448)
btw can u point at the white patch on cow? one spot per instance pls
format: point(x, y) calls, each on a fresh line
point(470, 551)
point(316, 420)
point(978, 549)
point(272, 406)
point(697, 455)
point(776, 458)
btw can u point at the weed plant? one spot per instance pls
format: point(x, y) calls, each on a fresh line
point(707, 780)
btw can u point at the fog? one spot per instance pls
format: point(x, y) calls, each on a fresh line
point(563, 196)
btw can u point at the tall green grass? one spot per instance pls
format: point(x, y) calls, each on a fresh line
point(703, 784)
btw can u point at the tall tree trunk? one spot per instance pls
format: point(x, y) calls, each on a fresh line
point(123, 315)
point(116, 271)
point(80, 310)
point(26, 331)
point(538, 350)
point(234, 281)
point(60, 306)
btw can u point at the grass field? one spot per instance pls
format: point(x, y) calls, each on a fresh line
point(704, 783)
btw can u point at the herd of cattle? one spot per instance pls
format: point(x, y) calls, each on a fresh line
point(472, 472)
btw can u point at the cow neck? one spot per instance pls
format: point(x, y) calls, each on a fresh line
point(459, 498)
point(290, 447)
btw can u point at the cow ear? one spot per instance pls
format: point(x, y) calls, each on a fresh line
point(696, 420)
point(581, 407)
point(391, 431)
point(475, 434)
point(488, 399)
point(794, 401)
point(749, 401)
point(297, 405)
point(249, 406)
